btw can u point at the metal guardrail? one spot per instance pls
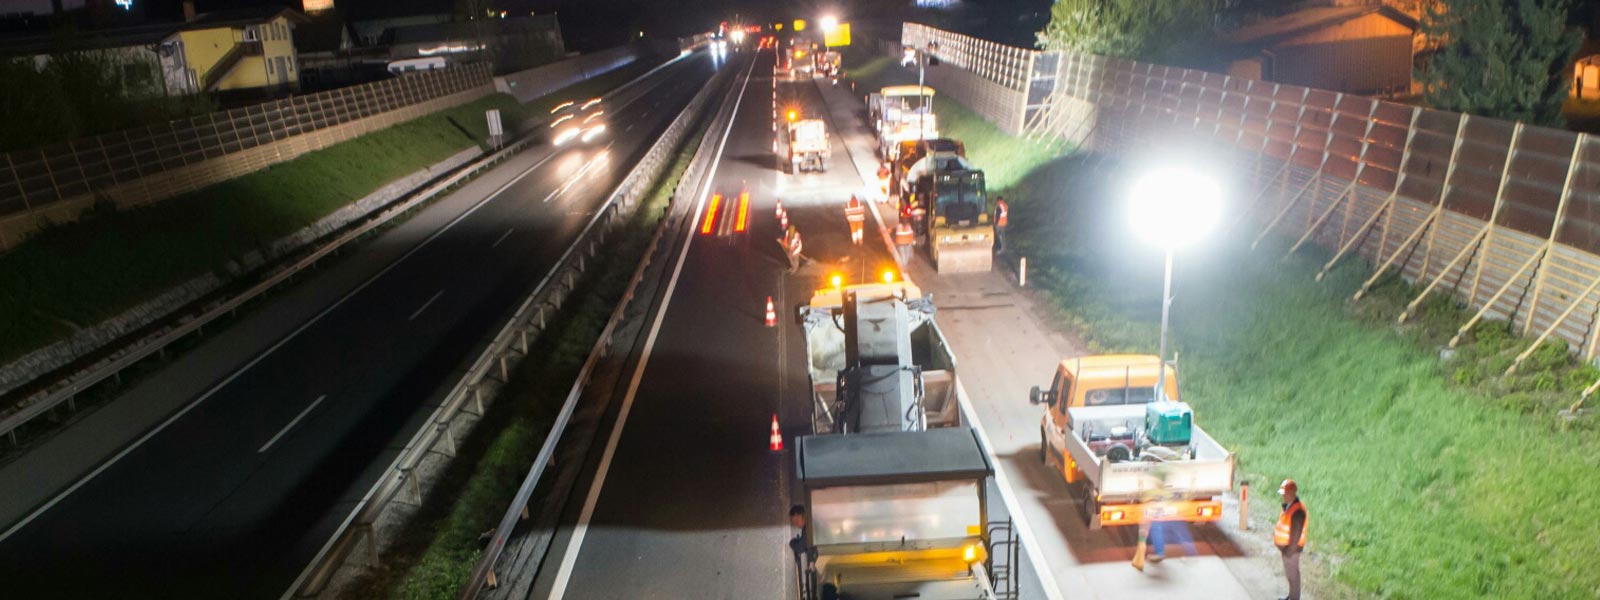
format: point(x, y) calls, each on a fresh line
point(483, 572)
point(509, 344)
point(112, 369)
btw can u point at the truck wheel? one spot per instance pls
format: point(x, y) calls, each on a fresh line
point(1044, 448)
point(1091, 508)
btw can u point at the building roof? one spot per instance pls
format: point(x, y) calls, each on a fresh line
point(36, 44)
point(239, 17)
point(949, 454)
point(1276, 29)
point(323, 32)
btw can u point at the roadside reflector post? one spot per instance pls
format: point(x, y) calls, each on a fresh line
point(1244, 506)
point(1022, 273)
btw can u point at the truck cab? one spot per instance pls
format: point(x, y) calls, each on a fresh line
point(1119, 445)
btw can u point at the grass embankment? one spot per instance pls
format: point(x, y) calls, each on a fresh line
point(436, 552)
point(1427, 477)
point(78, 274)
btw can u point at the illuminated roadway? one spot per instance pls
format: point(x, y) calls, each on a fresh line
point(223, 474)
point(683, 498)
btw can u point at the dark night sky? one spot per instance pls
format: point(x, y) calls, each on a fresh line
point(589, 24)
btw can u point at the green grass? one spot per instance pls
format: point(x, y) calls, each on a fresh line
point(438, 549)
point(1427, 477)
point(78, 274)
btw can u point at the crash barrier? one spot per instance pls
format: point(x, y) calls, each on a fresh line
point(1503, 216)
point(542, 80)
point(194, 319)
point(496, 358)
point(57, 183)
point(484, 573)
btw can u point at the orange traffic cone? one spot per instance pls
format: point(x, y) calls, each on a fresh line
point(776, 442)
point(772, 315)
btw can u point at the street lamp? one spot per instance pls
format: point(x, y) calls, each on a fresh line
point(828, 24)
point(1173, 207)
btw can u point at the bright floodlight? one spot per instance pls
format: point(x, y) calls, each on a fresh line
point(828, 24)
point(1174, 206)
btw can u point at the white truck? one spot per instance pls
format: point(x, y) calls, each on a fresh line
point(1128, 454)
point(900, 113)
point(808, 146)
point(896, 491)
point(905, 344)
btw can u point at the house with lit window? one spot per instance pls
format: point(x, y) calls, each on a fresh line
point(232, 50)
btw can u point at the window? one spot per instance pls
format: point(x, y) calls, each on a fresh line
point(251, 35)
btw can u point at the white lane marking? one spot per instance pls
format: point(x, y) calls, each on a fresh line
point(425, 305)
point(292, 423)
point(260, 357)
point(503, 237)
point(1047, 578)
point(627, 129)
point(575, 177)
point(306, 572)
point(570, 559)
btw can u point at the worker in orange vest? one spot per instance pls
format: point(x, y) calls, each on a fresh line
point(1001, 212)
point(904, 238)
point(856, 214)
point(1290, 535)
point(791, 247)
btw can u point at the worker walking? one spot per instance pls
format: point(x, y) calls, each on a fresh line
point(1290, 535)
point(1001, 211)
point(791, 247)
point(856, 214)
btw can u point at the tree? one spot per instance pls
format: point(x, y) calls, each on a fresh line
point(1153, 30)
point(1500, 58)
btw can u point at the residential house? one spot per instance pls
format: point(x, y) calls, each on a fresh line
point(1364, 49)
point(246, 49)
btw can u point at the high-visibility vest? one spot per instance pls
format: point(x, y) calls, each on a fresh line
point(903, 235)
point(1280, 534)
point(854, 212)
point(1000, 213)
point(792, 242)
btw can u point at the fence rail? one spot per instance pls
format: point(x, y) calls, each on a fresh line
point(495, 359)
point(141, 165)
point(1504, 216)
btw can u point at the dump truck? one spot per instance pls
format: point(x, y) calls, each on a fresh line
point(950, 211)
point(895, 487)
point(808, 145)
point(1118, 442)
point(898, 375)
point(900, 113)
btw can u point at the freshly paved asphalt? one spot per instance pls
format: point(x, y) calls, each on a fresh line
point(256, 459)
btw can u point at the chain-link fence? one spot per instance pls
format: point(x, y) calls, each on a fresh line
point(1503, 215)
point(137, 166)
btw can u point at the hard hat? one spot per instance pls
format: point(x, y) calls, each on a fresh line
point(1288, 487)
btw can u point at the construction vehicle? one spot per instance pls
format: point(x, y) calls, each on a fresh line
point(950, 213)
point(1118, 442)
point(895, 487)
point(900, 113)
point(897, 167)
point(808, 144)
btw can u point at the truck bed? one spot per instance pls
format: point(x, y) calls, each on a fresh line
point(1209, 473)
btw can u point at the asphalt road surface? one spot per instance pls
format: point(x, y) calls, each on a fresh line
point(686, 499)
point(233, 492)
